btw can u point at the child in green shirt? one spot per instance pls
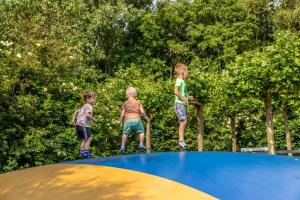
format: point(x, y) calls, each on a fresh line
point(181, 100)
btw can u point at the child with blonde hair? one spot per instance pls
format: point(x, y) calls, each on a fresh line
point(130, 119)
point(181, 100)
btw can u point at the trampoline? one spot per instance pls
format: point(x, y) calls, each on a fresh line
point(159, 176)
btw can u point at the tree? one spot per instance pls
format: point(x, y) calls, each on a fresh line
point(107, 28)
point(262, 12)
point(274, 71)
point(201, 85)
point(40, 55)
point(287, 15)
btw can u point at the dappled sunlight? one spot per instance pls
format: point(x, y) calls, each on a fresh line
point(65, 181)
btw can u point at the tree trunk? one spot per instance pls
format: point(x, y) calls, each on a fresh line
point(148, 137)
point(269, 123)
point(200, 126)
point(108, 61)
point(233, 133)
point(287, 130)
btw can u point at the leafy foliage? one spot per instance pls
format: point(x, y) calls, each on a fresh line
point(51, 51)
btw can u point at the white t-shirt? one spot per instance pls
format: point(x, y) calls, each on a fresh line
point(81, 119)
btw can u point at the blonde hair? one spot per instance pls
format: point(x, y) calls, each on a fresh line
point(180, 68)
point(131, 91)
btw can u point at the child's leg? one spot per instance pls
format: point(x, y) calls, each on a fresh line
point(87, 143)
point(126, 130)
point(181, 142)
point(87, 138)
point(141, 146)
point(139, 128)
point(81, 137)
point(181, 113)
point(181, 130)
point(142, 136)
point(83, 151)
point(82, 145)
point(124, 139)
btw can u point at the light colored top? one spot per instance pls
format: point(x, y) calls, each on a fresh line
point(182, 89)
point(132, 109)
point(81, 119)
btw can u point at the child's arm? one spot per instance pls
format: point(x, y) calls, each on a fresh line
point(88, 112)
point(177, 93)
point(74, 117)
point(89, 116)
point(122, 117)
point(143, 113)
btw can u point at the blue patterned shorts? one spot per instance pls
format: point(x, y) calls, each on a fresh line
point(181, 111)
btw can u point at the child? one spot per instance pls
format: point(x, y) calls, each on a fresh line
point(130, 118)
point(81, 119)
point(181, 100)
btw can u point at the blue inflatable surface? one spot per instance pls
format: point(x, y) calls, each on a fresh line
point(226, 176)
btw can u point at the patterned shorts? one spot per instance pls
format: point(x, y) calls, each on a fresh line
point(133, 125)
point(181, 111)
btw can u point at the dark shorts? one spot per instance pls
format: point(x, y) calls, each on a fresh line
point(181, 111)
point(83, 133)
